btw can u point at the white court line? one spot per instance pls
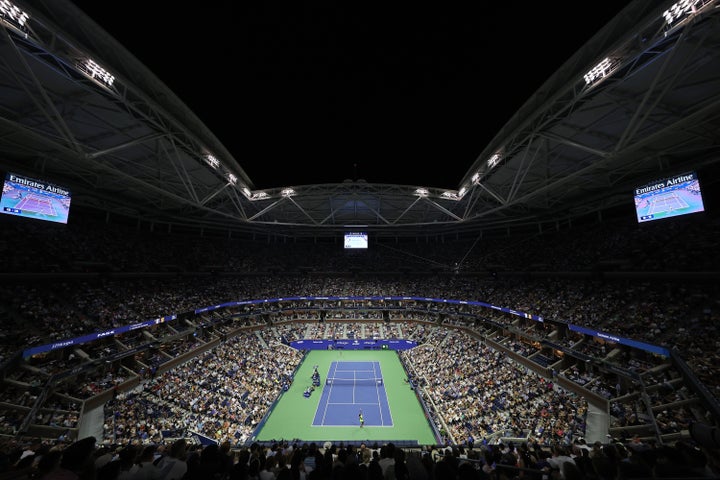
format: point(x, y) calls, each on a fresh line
point(374, 371)
point(377, 393)
point(327, 404)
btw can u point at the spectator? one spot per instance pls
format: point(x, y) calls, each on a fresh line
point(174, 465)
point(147, 470)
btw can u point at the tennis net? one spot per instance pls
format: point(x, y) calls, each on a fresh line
point(354, 381)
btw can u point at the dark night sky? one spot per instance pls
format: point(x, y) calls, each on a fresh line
point(320, 92)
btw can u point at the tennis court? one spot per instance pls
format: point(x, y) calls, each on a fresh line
point(36, 204)
point(351, 388)
point(391, 409)
point(666, 203)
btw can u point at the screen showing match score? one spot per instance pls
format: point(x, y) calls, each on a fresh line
point(670, 197)
point(356, 240)
point(37, 199)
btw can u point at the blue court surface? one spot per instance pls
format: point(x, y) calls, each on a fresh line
point(353, 387)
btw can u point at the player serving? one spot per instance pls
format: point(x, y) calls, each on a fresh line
point(361, 419)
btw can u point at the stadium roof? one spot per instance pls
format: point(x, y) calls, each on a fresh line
point(639, 102)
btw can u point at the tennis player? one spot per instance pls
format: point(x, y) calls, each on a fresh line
point(361, 419)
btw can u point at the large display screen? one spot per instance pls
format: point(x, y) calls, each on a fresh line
point(669, 197)
point(37, 199)
point(355, 240)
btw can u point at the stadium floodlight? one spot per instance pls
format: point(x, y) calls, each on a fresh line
point(494, 160)
point(604, 69)
point(212, 161)
point(12, 14)
point(254, 196)
point(450, 195)
point(674, 17)
point(683, 9)
point(422, 192)
point(90, 68)
point(231, 178)
point(288, 192)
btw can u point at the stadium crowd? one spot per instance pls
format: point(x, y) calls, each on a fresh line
point(84, 459)
point(475, 391)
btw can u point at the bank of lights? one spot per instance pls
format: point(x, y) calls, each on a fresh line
point(10, 11)
point(450, 195)
point(599, 71)
point(490, 163)
point(447, 195)
point(254, 196)
point(212, 161)
point(96, 72)
point(683, 9)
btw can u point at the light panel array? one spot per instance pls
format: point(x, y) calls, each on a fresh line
point(13, 14)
